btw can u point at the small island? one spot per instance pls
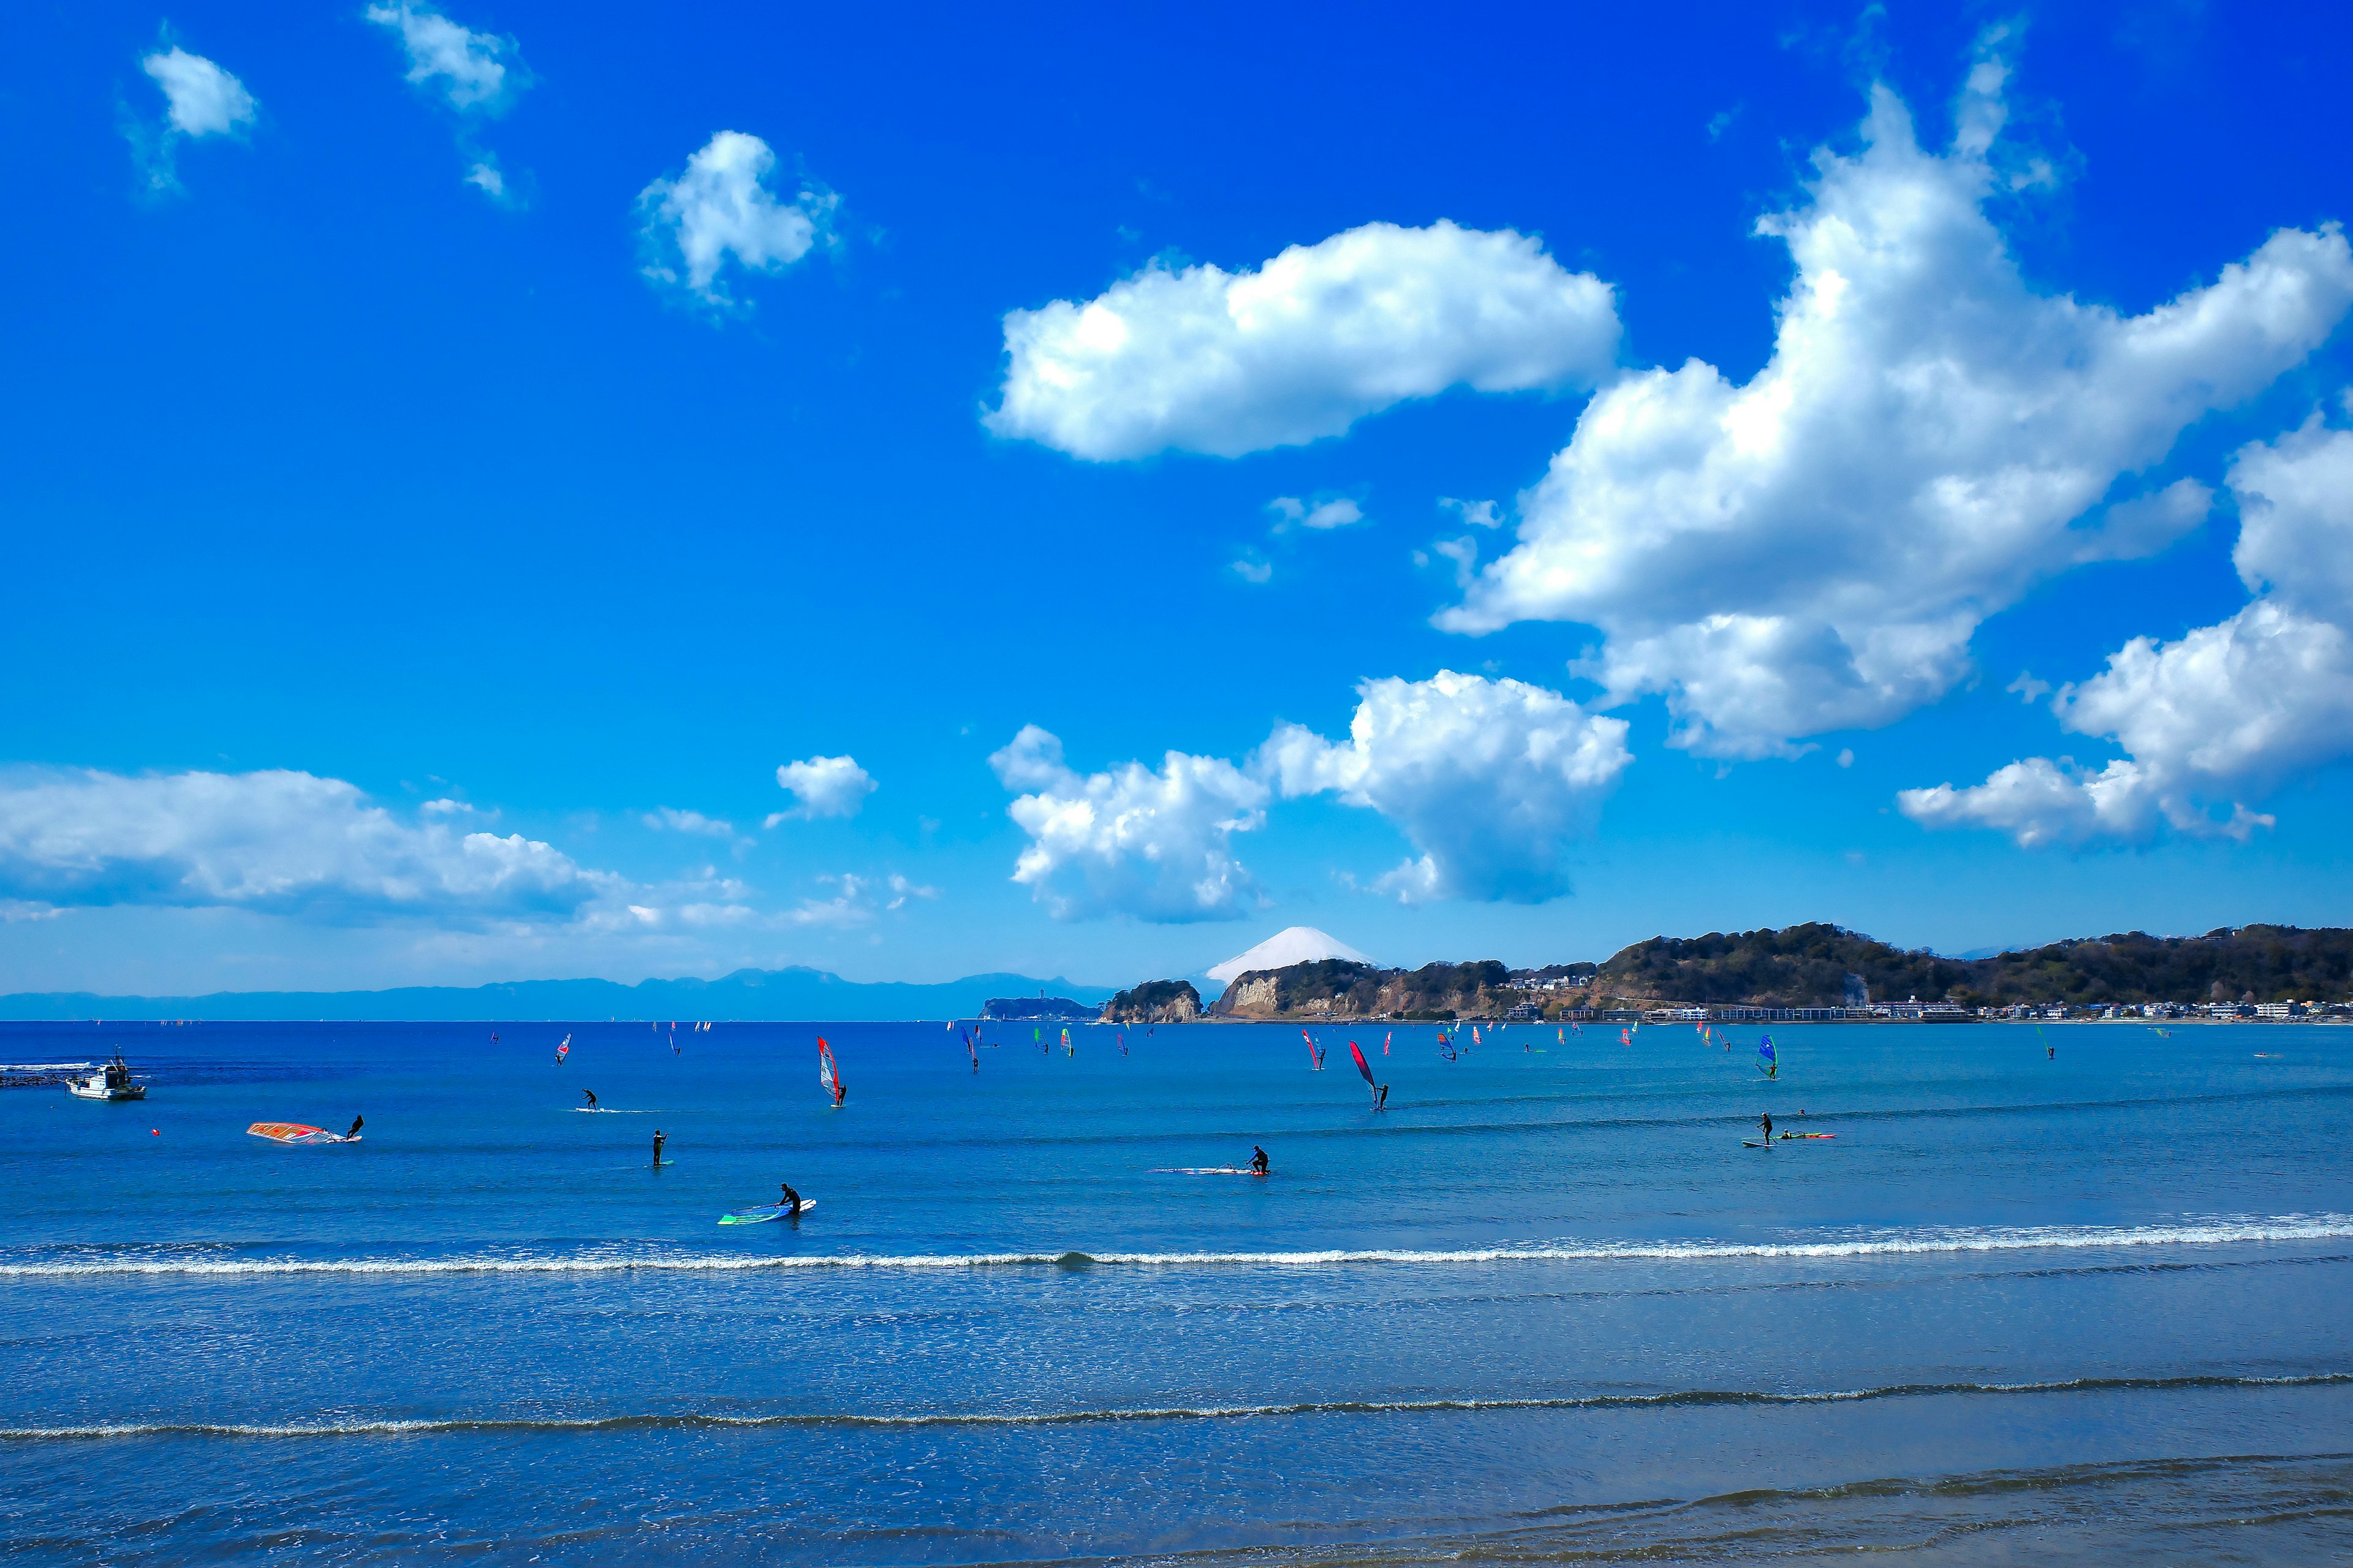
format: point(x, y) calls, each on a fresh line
point(1155, 1002)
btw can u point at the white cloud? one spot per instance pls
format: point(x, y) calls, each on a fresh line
point(279, 840)
point(669, 818)
point(1489, 780)
point(1814, 550)
point(856, 900)
point(722, 207)
point(1290, 512)
point(1250, 568)
point(1157, 846)
point(1464, 552)
point(200, 100)
point(2223, 713)
point(824, 786)
point(1477, 513)
point(469, 70)
point(485, 177)
point(1203, 359)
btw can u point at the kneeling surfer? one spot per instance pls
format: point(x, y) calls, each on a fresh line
point(1258, 1161)
point(791, 1202)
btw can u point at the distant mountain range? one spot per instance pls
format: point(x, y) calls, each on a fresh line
point(746, 995)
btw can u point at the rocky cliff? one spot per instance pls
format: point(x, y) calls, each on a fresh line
point(1334, 988)
point(1155, 1002)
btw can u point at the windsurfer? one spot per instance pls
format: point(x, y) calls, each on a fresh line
point(791, 1202)
point(590, 1096)
point(357, 1122)
point(1383, 1102)
point(1258, 1161)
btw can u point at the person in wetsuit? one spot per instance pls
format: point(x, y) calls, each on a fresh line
point(1383, 1102)
point(657, 1144)
point(791, 1202)
point(1258, 1161)
point(357, 1122)
point(590, 1096)
point(1765, 1121)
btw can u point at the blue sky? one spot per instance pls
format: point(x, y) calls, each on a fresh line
point(513, 491)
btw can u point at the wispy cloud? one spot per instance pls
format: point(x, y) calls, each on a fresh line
point(474, 75)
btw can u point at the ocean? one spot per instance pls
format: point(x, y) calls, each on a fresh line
point(1545, 1307)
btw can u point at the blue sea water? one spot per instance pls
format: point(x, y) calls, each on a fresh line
point(1543, 1307)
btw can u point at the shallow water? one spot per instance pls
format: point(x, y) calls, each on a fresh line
point(1546, 1307)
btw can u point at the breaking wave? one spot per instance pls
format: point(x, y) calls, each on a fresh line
point(689, 1421)
point(2185, 1233)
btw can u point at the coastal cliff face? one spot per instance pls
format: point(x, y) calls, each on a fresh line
point(1334, 988)
point(1155, 1002)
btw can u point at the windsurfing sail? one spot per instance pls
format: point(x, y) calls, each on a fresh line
point(1384, 1041)
point(827, 1073)
point(1315, 1057)
point(1363, 1066)
point(295, 1133)
point(1068, 1049)
point(563, 1050)
point(1625, 1036)
point(1766, 1062)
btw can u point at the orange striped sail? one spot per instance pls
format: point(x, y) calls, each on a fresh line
point(293, 1133)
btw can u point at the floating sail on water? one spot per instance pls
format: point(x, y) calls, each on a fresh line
point(295, 1133)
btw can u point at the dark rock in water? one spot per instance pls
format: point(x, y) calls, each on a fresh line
point(1023, 1009)
point(1155, 1002)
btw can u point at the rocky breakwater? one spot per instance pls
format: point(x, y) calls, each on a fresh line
point(1155, 1002)
point(1335, 988)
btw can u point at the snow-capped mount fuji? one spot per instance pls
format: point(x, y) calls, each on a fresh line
point(1297, 944)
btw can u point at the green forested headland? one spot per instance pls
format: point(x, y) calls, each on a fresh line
point(1809, 966)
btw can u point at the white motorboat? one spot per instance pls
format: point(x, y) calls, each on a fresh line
point(112, 1081)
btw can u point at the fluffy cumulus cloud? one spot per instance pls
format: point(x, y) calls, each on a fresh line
point(1202, 360)
point(1489, 780)
point(723, 208)
point(276, 841)
point(477, 76)
point(1814, 550)
point(200, 100)
point(823, 786)
point(1156, 845)
point(2222, 714)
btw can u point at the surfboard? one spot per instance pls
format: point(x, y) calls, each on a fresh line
point(1752, 1144)
point(763, 1214)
